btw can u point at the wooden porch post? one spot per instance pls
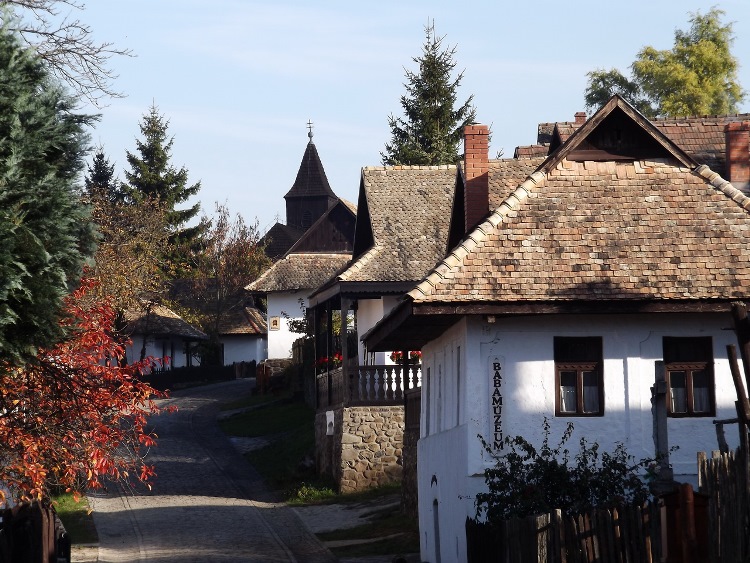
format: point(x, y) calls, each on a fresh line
point(347, 377)
point(665, 481)
point(316, 347)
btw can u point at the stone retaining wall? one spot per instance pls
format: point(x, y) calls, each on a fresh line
point(365, 449)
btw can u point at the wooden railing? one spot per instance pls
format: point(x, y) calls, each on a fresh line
point(366, 385)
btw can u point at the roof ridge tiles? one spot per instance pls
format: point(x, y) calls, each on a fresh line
point(400, 167)
point(723, 186)
point(456, 257)
point(694, 117)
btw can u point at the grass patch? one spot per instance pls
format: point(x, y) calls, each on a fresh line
point(276, 418)
point(251, 401)
point(279, 463)
point(307, 494)
point(384, 523)
point(77, 519)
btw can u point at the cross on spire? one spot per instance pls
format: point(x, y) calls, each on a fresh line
point(310, 128)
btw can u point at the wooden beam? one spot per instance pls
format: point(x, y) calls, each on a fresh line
point(570, 307)
point(738, 385)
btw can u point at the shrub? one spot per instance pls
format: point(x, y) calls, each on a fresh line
point(527, 481)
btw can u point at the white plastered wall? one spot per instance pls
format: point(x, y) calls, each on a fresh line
point(451, 458)
point(283, 306)
point(369, 312)
point(243, 348)
point(158, 348)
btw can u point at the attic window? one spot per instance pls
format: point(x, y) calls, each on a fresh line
point(618, 137)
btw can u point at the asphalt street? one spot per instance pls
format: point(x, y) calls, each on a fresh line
point(206, 504)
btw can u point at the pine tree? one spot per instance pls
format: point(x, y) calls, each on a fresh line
point(152, 176)
point(45, 230)
point(698, 76)
point(432, 129)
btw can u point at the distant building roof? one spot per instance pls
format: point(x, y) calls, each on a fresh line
point(297, 272)
point(160, 321)
point(505, 175)
point(244, 320)
point(279, 239)
point(702, 138)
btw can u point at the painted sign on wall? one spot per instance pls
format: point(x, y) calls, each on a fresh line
point(496, 403)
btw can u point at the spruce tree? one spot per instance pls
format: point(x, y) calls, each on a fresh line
point(152, 176)
point(45, 229)
point(432, 127)
point(100, 179)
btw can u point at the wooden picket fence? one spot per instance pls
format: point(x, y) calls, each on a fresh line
point(626, 534)
point(32, 533)
point(724, 479)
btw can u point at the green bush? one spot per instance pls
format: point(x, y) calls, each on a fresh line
point(527, 481)
point(311, 494)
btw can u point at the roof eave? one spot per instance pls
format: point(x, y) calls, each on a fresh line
point(412, 324)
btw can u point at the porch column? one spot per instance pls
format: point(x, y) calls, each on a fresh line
point(316, 352)
point(347, 377)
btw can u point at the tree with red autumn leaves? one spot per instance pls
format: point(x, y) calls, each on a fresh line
point(74, 416)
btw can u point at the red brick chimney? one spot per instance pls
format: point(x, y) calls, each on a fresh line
point(738, 153)
point(580, 117)
point(476, 166)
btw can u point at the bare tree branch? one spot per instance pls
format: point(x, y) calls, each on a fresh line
point(67, 45)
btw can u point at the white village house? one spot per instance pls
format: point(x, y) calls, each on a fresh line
point(158, 332)
point(573, 283)
point(313, 245)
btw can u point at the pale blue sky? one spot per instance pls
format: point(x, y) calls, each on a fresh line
point(239, 79)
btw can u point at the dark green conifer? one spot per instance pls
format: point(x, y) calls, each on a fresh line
point(45, 230)
point(100, 179)
point(432, 127)
point(152, 175)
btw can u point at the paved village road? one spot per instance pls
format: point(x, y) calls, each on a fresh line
point(207, 503)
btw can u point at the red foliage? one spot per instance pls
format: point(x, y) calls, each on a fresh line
point(75, 416)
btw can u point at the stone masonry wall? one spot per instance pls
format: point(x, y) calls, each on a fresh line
point(328, 447)
point(366, 448)
point(371, 447)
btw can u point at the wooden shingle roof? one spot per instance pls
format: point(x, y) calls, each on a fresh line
point(311, 178)
point(243, 320)
point(297, 272)
point(279, 239)
point(161, 321)
point(408, 214)
point(505, 175)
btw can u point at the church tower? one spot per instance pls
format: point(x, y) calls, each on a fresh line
point(311, 195)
